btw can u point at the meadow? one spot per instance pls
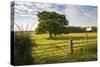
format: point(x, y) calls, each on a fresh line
point(39, 49)
point(57, 50)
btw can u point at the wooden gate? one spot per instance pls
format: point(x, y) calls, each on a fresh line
point(55, 52)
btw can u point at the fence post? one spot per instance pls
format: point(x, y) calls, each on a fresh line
point(71, 46)
point(86, 38)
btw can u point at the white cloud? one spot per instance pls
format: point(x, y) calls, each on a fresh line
point(25, 12)
point(31, 8)
point(77, 17)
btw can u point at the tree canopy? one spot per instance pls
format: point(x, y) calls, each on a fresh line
point(51, 22)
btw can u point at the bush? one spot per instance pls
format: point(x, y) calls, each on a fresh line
point(22, 49)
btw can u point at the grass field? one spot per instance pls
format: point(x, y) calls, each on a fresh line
point(56, 50)
point(43, 38)
point(46, 52)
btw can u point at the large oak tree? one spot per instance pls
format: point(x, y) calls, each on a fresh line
point(52, 22)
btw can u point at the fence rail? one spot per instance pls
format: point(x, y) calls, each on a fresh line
point(54, 50)
point(53, 43)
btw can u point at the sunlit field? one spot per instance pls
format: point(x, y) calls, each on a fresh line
point(43, 38)
point(58, 49)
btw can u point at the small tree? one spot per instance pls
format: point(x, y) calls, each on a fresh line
point(52, 22)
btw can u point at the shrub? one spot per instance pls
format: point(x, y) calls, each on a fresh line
point(22, 48)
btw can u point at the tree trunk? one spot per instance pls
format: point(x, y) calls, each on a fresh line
point(50, 35)
point(55, 35)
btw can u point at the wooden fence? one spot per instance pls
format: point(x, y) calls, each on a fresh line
point(52, 50)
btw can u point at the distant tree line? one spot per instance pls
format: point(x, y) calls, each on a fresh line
point(74, 29)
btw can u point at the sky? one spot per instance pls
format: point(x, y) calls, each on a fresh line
point(25, 14)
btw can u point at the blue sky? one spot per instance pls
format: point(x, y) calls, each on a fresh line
point(77, 15)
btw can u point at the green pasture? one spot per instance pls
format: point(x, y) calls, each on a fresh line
point(43, 38)
point(46, 52)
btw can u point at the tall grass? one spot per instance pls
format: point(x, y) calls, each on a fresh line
point(23, 48)
point(85, 53)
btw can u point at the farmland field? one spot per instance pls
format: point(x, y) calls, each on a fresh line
point(58, 49)
point(43, 38)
